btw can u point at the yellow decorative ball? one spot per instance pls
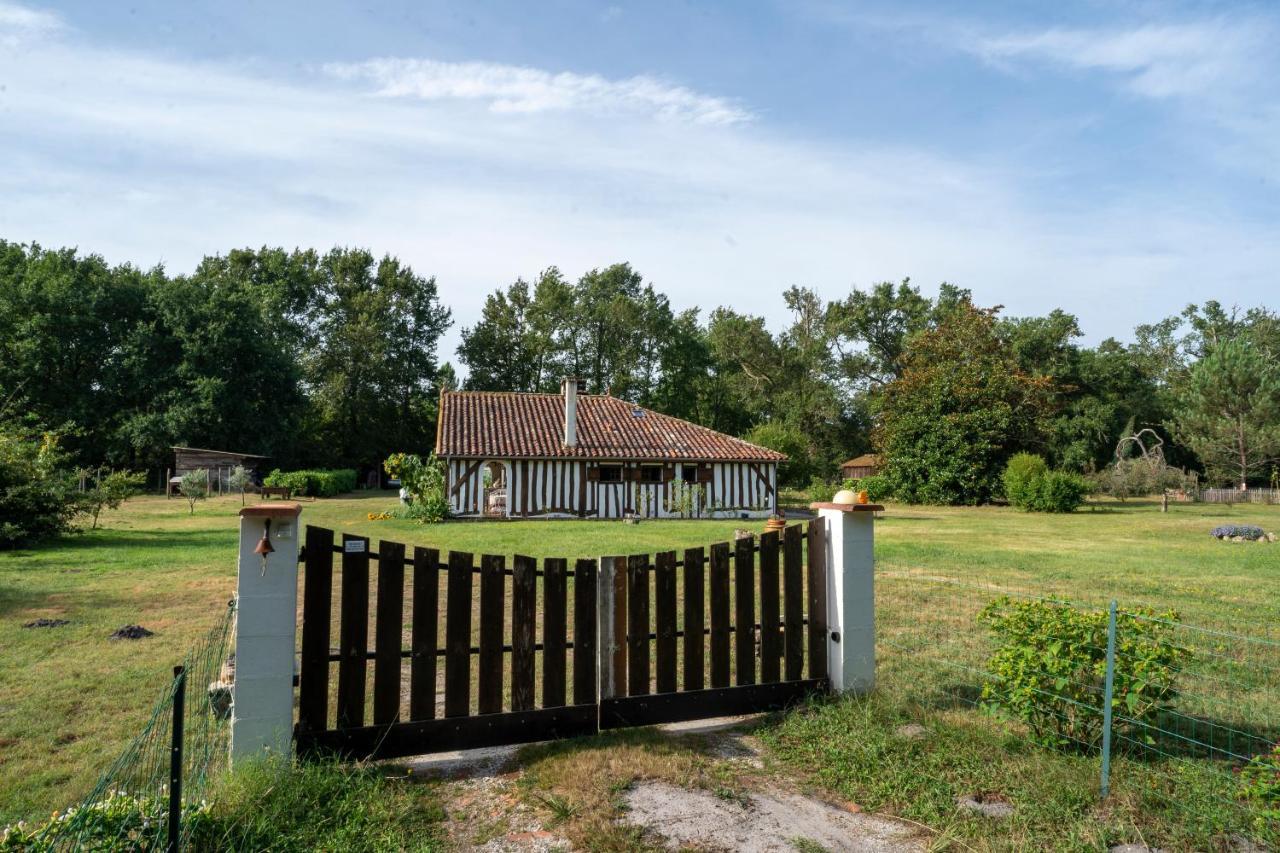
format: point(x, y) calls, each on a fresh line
point(845, 496)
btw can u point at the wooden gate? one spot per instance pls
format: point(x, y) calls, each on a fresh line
point(652, 639)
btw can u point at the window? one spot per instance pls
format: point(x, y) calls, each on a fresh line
point(651, 473)
point(610, 473)
point(689, 473)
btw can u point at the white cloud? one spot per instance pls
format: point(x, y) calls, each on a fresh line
point(21, 23)
point(1160, 61)
point(516, 89)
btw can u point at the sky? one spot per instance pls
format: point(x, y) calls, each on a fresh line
point(1114, 159)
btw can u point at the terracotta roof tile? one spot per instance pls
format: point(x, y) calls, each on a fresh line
point(506, 425)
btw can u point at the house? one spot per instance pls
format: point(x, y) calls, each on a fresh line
point(866, 465)
point(217, 463)
point(579, 455)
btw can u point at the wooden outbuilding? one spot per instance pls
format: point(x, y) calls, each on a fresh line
point(594, 456)
point(218, 463)
point(866, 465)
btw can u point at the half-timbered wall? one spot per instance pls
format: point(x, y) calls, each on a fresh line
point(553, 487)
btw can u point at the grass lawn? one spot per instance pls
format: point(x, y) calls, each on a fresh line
point(70, 698)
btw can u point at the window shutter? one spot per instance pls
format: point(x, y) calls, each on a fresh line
point(593, 473)
point(704, 474)
point(631, 474)
point(668, 473)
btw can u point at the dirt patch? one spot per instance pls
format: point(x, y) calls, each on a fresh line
point(759, 823)
point(131, 632)
point(987, 804)
point(47, 623)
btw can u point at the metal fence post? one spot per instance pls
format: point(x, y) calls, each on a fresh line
point(1107, 693)
point(175, 758)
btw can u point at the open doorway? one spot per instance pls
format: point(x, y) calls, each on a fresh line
point(495, 489)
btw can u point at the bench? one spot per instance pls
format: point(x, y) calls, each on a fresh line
point(277, 492)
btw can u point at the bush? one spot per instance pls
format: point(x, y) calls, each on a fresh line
point(1244, 531)
point(38, 497)
point(425, 483)
point(316, 483)
point(877, 487)
point(1050, 667)
point(107, 490)
point(194, 486)
point(1030, 485)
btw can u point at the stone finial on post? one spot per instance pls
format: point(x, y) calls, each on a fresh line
point(266, 615)
point(851, 602)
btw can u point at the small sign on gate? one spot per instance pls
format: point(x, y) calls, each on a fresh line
point(353, 546)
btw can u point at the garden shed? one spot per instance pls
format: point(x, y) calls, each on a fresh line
point(866, 465)
point(219, 464)
point(565, 455)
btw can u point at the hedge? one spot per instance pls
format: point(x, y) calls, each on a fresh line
point(315, 484)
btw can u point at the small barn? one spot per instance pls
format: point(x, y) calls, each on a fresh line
point(219, 464)
point(866, 465)
point(520, 455)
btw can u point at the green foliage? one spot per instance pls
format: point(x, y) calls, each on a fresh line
point(876, 486)
point(1260, 782)
point(238, 481)
point(1030, 485)
point(1049, 670)
point(107, 489)
point(426, 483)
point(776, 435)
point(1132, 478)
point(318, 483)
point(119, 821)
point(37, 489)
point(194, 486)
point(1022, 478)
point(959, 410)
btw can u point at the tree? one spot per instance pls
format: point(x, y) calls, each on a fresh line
point(108, 489)
point(1229, 412)
point(238, 480)
point(194, 486)
point(38, 497)
point(961, 408)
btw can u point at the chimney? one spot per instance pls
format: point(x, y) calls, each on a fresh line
point(569, 388)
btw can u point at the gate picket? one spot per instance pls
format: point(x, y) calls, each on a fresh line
point(695, 621)
point(770, 639)
point(554, 631)
point(426, 634)
point(353, 632)
point(817, 600)
point(492, 621)
point(638, 625)
point(317, 603)
point(744, 576)
point(457, 660)
point(584, 632)
point(524, 613)
point(665, 620)
point(720, 614)
point(388, 628)
point(793, 600)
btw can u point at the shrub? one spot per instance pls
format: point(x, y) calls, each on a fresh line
point(107, 490)
point(1244, 531)
point(1260, 782)
point(1030, 485)
point(238, 481)
point(38, 497)
point(819, 490)
point(877, 487)
point(425, 483)
point(1050, 667)
point(315, 483)
point(194, 486)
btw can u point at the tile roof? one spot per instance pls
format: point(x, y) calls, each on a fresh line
point(866, 460)
point(507, 425)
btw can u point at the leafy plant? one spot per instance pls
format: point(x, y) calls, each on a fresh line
point(315, 483)
point(119, 821)
point(1030, 485)
point(1022, 476)
point(1244, 531)
point(107, 490)
point(1050, 667)
point(1260, 782)
point(425, 483)
point(238, 480)
point(194, 486)
point(37, 489)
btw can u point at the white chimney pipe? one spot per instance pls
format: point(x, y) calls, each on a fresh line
point(569, 388)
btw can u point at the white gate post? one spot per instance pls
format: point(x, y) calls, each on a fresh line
point(266, 625)
point(851, 602)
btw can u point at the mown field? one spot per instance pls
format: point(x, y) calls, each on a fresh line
point(70, 697)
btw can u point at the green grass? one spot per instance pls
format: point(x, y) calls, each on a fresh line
point(70, 698)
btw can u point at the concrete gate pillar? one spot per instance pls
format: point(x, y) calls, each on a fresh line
point(266, 626)
point(851, 602)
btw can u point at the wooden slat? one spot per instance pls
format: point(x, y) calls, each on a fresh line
point(317, 603)
point(584, 632)
point(388, 629)
point(554, 631)
point(695, 620)
point(793, 599)
point(719, 575)
point(817, 599)
point(426, 631)
point(618, 624)
point(492, 621)
point(770, 615)
point(353, 633)
point(664, 618)
point(457, 658)
point(524, 613)
point(744, 598)
point(638, 625)
point(699, 704)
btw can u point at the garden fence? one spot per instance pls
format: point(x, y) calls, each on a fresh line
point(136, 804)
point(1240, 496)
point(1192, 747)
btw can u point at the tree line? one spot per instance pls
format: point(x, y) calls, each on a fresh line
point(331, 360)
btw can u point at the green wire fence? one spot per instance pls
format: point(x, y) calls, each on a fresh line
point(1181, 715)
point(131, 807)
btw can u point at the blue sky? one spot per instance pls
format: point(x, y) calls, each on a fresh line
point(1115, 159)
